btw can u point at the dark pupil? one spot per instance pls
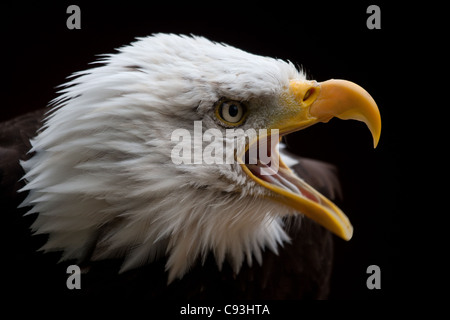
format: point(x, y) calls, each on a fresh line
point(233, 110)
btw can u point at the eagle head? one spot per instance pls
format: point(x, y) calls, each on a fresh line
point(158, 151)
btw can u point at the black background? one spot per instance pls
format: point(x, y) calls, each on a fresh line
point(329, 40)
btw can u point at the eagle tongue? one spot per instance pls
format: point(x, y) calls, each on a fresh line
point(282, 178)
point(271, 176)
point(275, 172)
point(301, 185)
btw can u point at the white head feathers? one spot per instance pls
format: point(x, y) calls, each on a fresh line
point(102, 179)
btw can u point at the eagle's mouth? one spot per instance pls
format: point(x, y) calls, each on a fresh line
point(307, 103)
point(275, 172)
point(289, 189)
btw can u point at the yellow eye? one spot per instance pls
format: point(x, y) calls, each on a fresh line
point(231, 113)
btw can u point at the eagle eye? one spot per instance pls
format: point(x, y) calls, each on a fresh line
point(231, 112)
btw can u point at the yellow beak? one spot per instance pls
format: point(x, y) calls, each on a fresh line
point(306, 103)
point(319, 102)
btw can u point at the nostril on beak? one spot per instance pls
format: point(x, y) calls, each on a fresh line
point(308, 94)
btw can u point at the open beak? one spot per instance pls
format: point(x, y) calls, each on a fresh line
point(307, 103)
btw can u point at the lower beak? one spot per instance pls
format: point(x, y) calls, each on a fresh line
point(307, 103)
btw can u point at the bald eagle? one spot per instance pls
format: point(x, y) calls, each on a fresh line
point(101, 183)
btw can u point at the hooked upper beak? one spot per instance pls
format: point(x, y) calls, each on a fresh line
point(307, 103)
point(334, 98)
